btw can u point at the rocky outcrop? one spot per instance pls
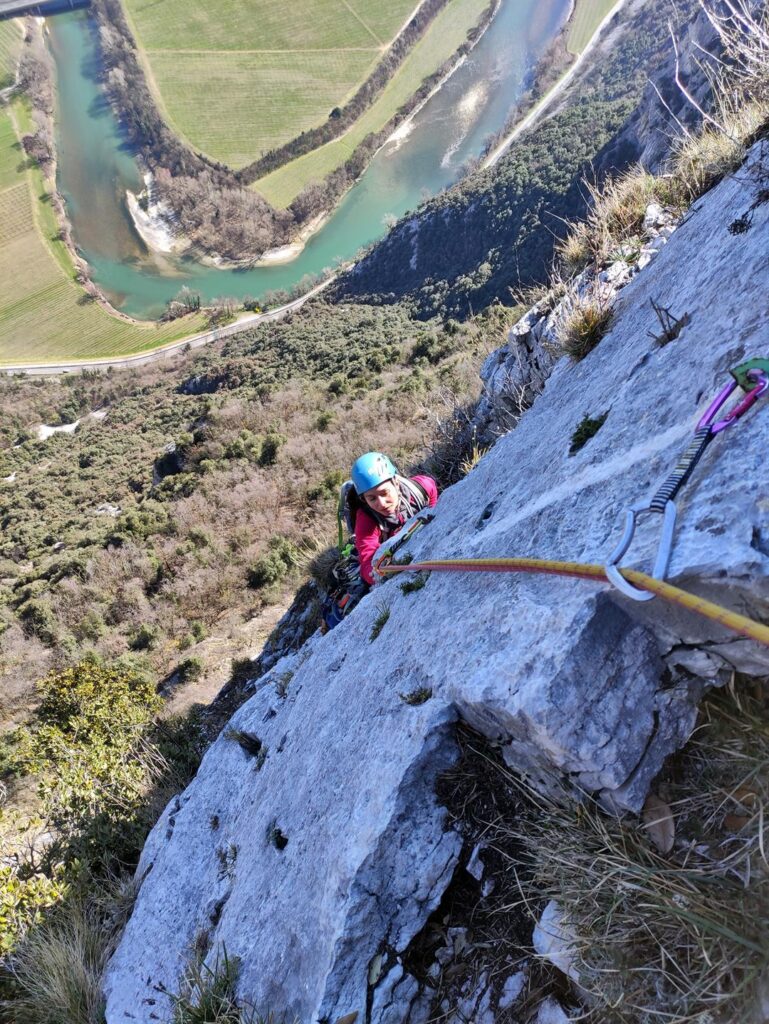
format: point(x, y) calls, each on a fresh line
point(311, 844)
point(664, 113)
point(514, 374)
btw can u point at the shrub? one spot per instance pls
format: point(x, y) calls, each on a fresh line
point(145, 638)
point(38, 619)
point(270, 448)
point(190, 669)
point(85, 748)
point(328, 487)
point(282, 556)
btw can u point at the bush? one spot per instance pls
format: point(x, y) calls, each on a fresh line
point(270, 447)
point(270, 568)
point(328, 487)
point(145, 638)
point(190, 669)
point(84, 749)
point(38, 619)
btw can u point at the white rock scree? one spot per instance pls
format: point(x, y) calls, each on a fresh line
point(330, 847)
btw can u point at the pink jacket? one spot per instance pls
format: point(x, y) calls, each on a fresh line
point(369, 534)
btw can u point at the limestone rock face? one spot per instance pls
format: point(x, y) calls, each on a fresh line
point(311, 844)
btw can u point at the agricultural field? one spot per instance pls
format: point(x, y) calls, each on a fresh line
point(45, 316)
point(588, 15)
point(445, 34)
point(237, 78)
point(10, 46)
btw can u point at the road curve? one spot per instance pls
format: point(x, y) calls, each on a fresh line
point(547, 100)
point(191, 341)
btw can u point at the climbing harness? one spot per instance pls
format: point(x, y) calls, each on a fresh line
point(753, 378)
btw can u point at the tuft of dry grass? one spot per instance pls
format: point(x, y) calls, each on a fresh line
point(680, 936)
point(584, 322)
point(58, 968)
point(617, 209)
point(740, 85)
point(703, 160)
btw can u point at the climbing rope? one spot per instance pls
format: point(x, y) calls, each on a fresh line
point(586, 571)
point(753, 377)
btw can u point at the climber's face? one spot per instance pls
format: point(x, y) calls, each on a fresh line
point(384, 498)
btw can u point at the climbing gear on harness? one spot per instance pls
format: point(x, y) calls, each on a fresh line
point(345, 587)
point(753, 377)
point(370, 470)
point(715, 612)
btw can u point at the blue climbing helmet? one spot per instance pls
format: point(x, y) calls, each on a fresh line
point(370, 470)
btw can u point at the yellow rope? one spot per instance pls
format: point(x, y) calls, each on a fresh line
point(731, 620)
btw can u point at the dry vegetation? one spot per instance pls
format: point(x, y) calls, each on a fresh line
point(668, 911)
point(113, 544)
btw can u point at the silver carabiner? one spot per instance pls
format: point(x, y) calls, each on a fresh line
point(664, 548)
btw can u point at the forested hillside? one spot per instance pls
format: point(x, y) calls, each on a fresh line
point(495, 231)
point(199, 490)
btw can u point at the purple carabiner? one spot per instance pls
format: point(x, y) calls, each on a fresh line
point(740, 409)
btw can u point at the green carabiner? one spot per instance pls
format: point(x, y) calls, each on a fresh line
point(740, 373)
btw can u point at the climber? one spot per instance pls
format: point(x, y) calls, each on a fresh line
point(385, 501)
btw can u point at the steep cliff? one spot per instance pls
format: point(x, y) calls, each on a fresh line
point(312, 845)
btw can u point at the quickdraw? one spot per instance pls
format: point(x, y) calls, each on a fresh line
point(753, 377)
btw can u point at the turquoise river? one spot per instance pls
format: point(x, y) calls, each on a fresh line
point(95, 167)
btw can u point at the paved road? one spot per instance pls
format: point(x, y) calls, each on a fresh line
point(193, 341)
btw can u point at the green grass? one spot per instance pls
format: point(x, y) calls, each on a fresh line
point(239, 77)
point(588, 15)
point(10, 45)
point(446, 33)
point(281, 96)
point(42, 314)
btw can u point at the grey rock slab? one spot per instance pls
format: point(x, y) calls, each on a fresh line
point(554, 940)
point(551, 1012)
point(567, 675)
point(511, 989)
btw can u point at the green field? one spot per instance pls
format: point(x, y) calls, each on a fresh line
point(240, 77)
point(43, 317)
point(588, 15)
point(10, 45)
point(446, 33)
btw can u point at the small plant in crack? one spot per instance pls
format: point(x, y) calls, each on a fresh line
point(276, 837)
point(227, 856)
point(671, 325)
point(587, 427)
point(379, 622)
point(405, 559)
point(415, 583)
point(417, 697)
point(281, 683)
point(213, 822)
point(249, 743)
